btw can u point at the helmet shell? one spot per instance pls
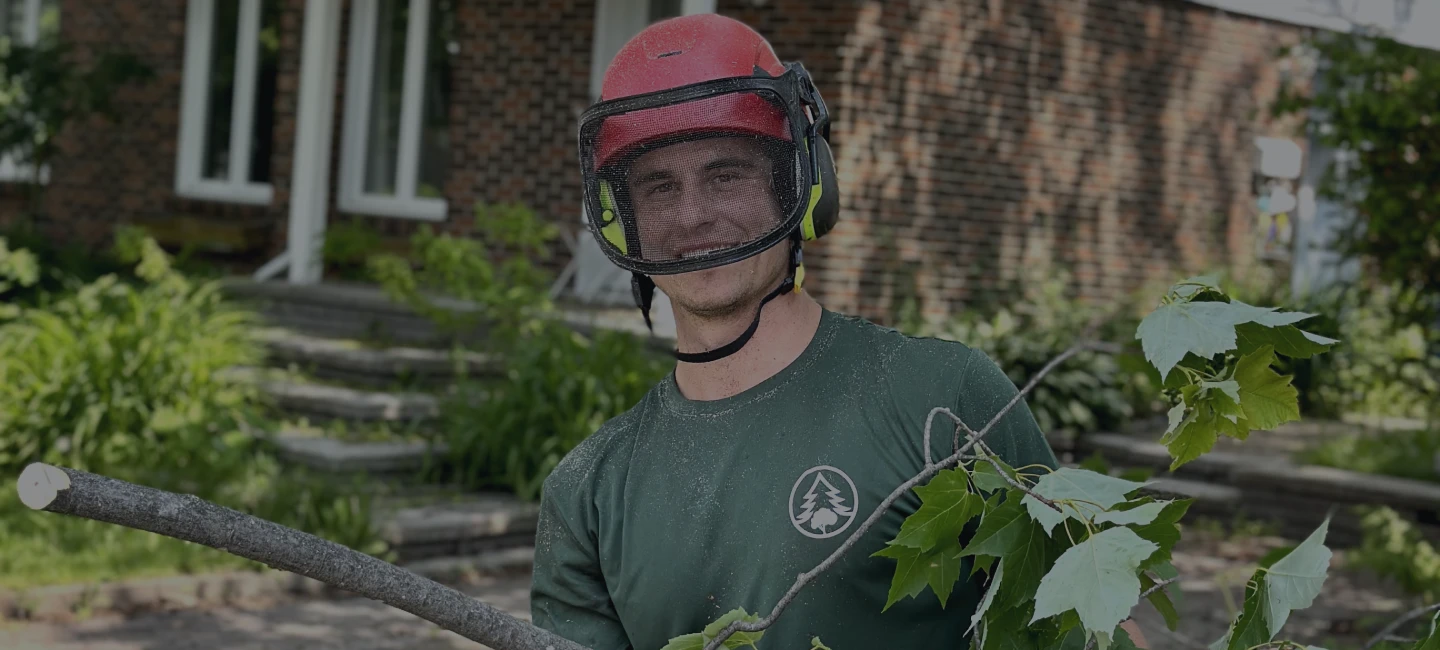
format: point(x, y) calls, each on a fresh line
point(679, 52)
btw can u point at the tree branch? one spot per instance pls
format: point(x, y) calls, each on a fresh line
point(989, 456)
point(82, 494)
point(929, 471)
point(1389, 630)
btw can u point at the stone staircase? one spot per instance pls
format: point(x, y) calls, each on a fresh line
point(357, 382)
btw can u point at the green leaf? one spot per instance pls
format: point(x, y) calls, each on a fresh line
point(910, 574)
point(1204, 329)
point(1288, 340)
point(1196, 435)
point(1431, 641)
point(1161, 601)
point(1025, 565)
point(1000, 529)
point(1176, 414)
point(947, 505)
point(1097, 579)
point(1250, 628)
point(1137, 516)
point(1267, 397)
point(943, 570)
point(989, 598)
point(1295, 580)
point(1007, 630)
point(1195, 284)
point(695, 641)
point(1266, 316)
point(815, 644)
point(1164, 531)
point(980, 563)
point(1073, 484)
point(988, 480)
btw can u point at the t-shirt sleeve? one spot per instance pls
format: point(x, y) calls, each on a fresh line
point(1016, 437)
point(568, 595)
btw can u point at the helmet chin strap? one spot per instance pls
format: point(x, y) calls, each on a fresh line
point(644, 289)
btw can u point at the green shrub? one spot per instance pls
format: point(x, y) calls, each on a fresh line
point(1404, 454)
point(1393, 548)
point(559, 387)
point(123, 379)
point(1390, 365)
point(495, 272)
point(1089, 392)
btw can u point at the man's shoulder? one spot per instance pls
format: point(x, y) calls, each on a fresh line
point(588, 460)
point(896, 350)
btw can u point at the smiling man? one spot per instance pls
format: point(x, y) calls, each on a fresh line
point(784, 424)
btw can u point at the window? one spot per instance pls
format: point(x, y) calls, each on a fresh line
point(396, 146)
point(27, 22)
point(228, 109)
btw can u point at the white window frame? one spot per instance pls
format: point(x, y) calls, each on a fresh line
point(353, 198)
point(199, 43)
point(11, 171)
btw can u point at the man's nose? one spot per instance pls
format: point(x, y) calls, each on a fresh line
point(696, 209)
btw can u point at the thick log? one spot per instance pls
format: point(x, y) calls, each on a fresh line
point(187, 517)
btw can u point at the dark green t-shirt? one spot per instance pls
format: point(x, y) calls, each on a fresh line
point(680, 510)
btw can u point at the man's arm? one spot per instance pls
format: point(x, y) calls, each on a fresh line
point(568, 595)
point(1016, 438)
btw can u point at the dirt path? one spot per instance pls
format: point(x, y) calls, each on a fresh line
point(348, 624)
point(1351, 604)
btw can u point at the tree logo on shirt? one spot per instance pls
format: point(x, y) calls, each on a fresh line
point(822, 502)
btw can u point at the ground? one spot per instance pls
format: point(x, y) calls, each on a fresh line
point(1213, 565)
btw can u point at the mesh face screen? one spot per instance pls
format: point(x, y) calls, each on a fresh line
point(695, 180)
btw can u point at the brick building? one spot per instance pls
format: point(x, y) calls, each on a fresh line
point(975, 139)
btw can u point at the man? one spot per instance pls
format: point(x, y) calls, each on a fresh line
point(783, 424)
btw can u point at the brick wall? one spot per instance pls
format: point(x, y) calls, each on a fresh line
point(978, 139)
point(108, 173)
point(521, 79)
point(975, 139)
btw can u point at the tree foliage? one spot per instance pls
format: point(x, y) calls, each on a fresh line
point(1379, 101)
point(1067, 554)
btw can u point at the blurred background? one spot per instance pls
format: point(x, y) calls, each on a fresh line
point(325, 262)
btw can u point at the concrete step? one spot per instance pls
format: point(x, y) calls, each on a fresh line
point(364, 312)
point(454, 523)
point(353, 362)
point(377, 458)
point(296, 397)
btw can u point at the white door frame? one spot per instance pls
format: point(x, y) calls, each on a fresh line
point(595, 278)
point(310, 174)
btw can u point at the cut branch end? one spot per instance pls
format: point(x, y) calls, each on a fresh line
point(39, 484)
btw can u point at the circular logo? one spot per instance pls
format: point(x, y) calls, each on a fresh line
point(823, 502)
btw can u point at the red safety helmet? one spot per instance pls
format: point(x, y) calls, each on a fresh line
point(690, 78)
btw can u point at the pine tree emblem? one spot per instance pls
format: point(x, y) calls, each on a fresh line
point(831, 504)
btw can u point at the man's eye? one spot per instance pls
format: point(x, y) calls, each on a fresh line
point(725, 178)
point(663, 187)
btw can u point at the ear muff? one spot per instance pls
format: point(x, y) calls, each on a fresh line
point(611, 227)
point(824, 208)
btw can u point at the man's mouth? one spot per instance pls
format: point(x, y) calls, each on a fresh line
point(697, 252)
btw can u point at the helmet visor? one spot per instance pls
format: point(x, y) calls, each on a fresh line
point(695, 183)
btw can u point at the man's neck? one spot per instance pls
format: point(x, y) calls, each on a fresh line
point(787, 325)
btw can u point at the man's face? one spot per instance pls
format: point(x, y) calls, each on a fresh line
point(693, 197)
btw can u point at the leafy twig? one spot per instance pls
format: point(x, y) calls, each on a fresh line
point(989, 456)
point(927, 473)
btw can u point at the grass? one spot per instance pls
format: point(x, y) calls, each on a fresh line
point(43, 549)
point(1402, 454)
